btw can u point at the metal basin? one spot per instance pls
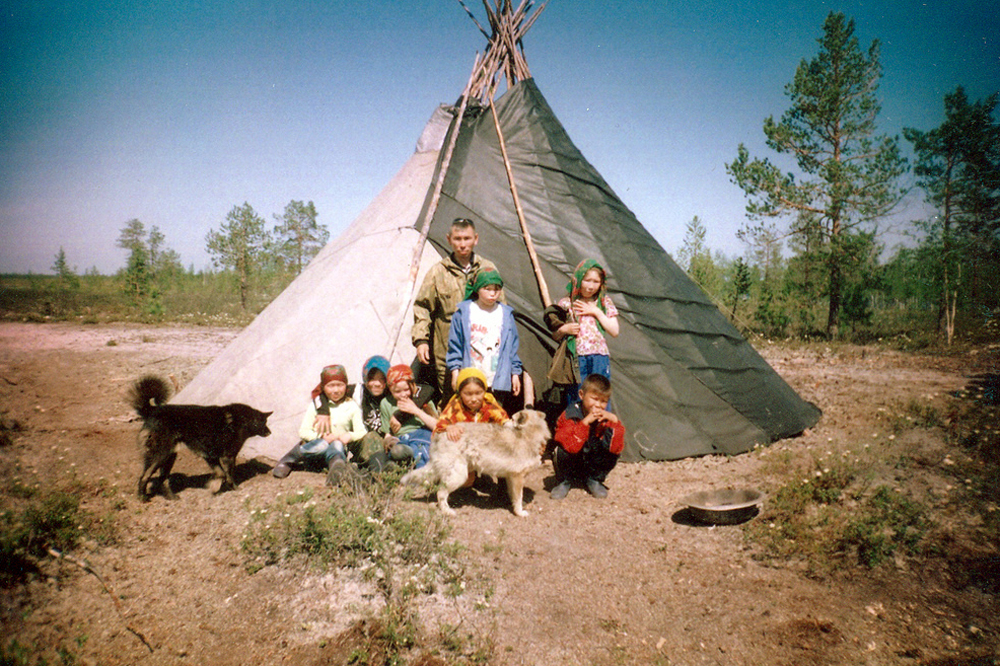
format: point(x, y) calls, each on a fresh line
point(723, 507)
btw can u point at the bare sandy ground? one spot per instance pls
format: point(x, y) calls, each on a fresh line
point(625, 580)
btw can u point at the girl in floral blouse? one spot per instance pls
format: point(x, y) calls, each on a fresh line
point(591, 313)
point(472, 403)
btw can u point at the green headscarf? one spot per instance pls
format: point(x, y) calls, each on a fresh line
point(584, 267)
point(482, 279)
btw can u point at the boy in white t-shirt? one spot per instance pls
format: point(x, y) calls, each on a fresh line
point(483, 335)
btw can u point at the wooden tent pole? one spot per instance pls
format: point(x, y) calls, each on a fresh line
point(543, 288)
point(435, 198)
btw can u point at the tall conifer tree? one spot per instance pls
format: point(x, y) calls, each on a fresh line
point(848, 175)
point(958, 167)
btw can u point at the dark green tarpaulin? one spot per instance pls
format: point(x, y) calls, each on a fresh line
point(685, 381)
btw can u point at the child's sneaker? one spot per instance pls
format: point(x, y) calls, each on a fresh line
point(560, 491)
point(596, 488)
point(339, 470)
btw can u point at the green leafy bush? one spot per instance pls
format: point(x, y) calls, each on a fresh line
point(54, 521)
point(887, 523)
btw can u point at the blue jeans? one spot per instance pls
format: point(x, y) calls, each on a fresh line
point(419, 442)
point(590, 364)
point(320, 449)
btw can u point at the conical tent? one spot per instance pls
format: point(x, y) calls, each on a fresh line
point(685, 381)
point(342, 308)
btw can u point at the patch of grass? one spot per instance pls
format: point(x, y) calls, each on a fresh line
point(27, 535)
point(888, 523)
point(21, 490)
point(830, 515)
point(403, 552)
point(974, 425)
point(394, 638)
point(45, 520)
point(465, 647)
point(913, 414)
point(15, 654)
point(210, 299)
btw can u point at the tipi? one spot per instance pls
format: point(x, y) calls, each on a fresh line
point(686, 383)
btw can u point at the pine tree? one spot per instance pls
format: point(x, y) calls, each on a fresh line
point(240, 245)
point(137, 275)
point(740, 287)
point(849, 175)
point(958, 167)
point(66, 275)
point(298, 237)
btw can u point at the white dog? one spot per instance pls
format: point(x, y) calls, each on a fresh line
point(501, 451)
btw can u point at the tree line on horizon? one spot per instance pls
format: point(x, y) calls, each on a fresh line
point(825, 212)
point(849, 177)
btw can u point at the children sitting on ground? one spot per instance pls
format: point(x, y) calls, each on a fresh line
point(345, 428)
point(370, 453)
point(483, 335)
point(589, 440)
point(590, 313)
point(373, 450)
point(407, 420)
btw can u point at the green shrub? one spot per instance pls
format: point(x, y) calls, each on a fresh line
point(821, 519)
point(45, 520)
point(887, 523)
point(26, 536)
point(364, 530)
point(402, 550)
point(15, 654)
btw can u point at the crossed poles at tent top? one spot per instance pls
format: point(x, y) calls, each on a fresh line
point(504, 50)
point(504, 53)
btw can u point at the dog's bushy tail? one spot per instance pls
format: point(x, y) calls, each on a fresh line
point(147, 393)
point(422, 476)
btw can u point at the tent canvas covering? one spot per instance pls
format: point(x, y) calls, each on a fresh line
point(685, 381)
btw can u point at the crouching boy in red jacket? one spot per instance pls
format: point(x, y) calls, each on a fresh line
point(589, 438)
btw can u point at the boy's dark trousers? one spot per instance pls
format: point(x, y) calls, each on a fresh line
point(592, 462)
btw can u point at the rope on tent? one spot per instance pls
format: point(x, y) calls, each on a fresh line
point(435, 198)
point(543, 288)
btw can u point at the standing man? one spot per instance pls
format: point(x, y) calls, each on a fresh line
point(440, 293)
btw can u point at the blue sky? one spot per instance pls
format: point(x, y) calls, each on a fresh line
point(174, 113)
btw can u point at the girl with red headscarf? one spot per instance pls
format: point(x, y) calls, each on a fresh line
point(346, 427)
point(411, 422)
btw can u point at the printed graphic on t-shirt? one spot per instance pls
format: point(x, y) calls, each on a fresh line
point(484, 340)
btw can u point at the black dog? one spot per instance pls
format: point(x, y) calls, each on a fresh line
point(215, 433)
